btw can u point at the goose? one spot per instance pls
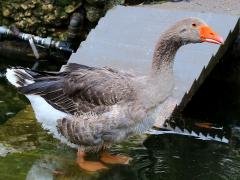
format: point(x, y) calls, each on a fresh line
point(91, 108)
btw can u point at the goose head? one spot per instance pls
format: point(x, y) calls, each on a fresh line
point(185, 31)
point(193, 30)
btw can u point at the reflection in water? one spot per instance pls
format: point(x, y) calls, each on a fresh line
point(188, 158)
point(54, 168)
point(10, 101)
point(37, 156)
point(167, 157)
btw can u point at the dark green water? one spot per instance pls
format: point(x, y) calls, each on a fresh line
point(28, 152)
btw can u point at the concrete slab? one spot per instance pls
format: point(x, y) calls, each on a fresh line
point(230, 7)
point(125, 39)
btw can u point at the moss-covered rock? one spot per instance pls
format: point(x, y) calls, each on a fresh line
point(96, 2)
point(113, 3)
point(6, 12)
point(52, 17)
point(37, 16)
point(94, 13)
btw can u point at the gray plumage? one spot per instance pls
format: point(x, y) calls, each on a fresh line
point(101, 101)
point(103, 105)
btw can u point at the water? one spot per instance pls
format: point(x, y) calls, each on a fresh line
point(29, 152)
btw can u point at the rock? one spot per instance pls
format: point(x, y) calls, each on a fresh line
point(61, 35)
point(41, 31)
point(63, 15)
point(34, 2)
point(96, 2)
point(39, 13)
point(94, 13)
point(72, 7)
point(47, 7)
point(50, 7)
point(113, 3)
point(20, 24)
point(32, 21)
point(49, 19)
point(4, 150)
point(24, 6)
point(27, 14)
point(6, 12)
point(16, 6)
point(31, 16)
point(69, 9)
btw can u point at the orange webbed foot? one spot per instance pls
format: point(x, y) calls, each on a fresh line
point(114, 159)
point(91, 166)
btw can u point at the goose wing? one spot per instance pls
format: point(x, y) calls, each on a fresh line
point(82, 89)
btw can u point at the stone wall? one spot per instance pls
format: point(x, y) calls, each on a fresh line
point(51, 17)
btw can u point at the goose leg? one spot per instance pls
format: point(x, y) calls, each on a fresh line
point(88, 165)
point(114, 159)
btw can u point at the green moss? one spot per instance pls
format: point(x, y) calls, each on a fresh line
point(63, 2)
point(94, 13)
point(17, 163)
point(32, 16)
point(51, 17)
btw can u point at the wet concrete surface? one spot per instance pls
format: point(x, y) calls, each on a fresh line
point(230, 7)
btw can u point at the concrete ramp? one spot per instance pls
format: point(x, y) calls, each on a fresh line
point(125, 39)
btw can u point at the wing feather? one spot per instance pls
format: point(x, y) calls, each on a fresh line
point(81, 89)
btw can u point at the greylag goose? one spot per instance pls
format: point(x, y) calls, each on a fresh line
point(92, 108)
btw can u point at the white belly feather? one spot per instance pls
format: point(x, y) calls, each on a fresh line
point(48, 116)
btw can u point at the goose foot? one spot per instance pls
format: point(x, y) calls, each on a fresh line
point(88, 165)
point(114, 159)
point(204, 125)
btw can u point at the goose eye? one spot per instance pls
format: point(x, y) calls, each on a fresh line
point(194, 25)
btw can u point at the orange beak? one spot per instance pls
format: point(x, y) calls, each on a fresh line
point(208, 35)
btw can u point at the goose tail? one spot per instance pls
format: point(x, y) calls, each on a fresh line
point(19, 77)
